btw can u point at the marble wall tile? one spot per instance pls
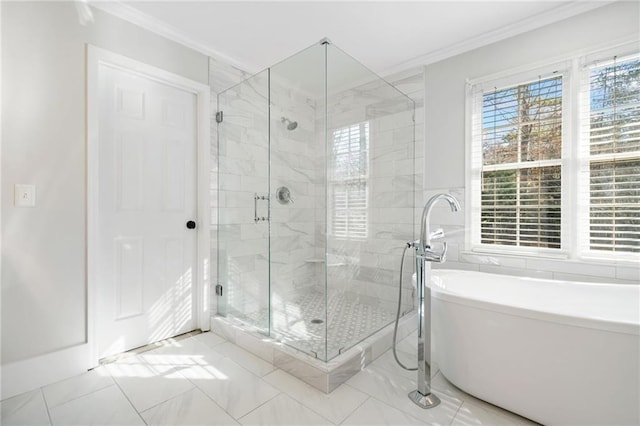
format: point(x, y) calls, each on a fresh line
point(631, 273)
point(457, 265)
point(569, 267)
point(493, 260)
point(581, 277)
point(520, 272)
point(222, 75)
point(409, 82)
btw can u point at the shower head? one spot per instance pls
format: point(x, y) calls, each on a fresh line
point(291, 125)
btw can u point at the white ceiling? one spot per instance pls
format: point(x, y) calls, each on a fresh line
point(384, 36)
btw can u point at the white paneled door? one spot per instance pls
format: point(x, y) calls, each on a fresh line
point(146, 283)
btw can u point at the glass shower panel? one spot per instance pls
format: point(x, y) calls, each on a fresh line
point(316, 201)
point(243, 226)
point(369, 154)
point(297, 191)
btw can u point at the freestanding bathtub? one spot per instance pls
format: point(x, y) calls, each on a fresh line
point(557, 352)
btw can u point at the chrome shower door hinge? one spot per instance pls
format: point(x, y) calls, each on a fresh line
point(219, 116)
point(218, 289)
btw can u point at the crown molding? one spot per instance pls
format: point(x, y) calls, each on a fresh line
point(156, 26)
point(125, 12)
point(539, 20)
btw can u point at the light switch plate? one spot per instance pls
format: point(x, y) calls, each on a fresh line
point(24, 195)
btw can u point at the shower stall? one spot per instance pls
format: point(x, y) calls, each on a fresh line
point(315, 201)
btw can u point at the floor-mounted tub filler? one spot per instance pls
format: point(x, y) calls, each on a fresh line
point(557, 352)
point(425, 254)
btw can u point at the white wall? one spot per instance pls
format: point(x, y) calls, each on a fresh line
point(445, 127)
point(43, 143)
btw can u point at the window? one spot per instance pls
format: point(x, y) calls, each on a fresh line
point(348, 182)
point(611, 145)
point(520, 164)
point(539, 186)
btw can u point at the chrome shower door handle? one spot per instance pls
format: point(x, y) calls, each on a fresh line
point(257, 218)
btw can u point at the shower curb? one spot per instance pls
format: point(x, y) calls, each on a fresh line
point(325, 376)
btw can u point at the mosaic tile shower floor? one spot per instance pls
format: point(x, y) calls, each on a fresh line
point(299, 320)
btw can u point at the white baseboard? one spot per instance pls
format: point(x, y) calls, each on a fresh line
point(23, 376)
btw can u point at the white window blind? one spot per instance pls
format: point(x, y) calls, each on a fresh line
point(349, 181)
point(611, 146)
point(517, 157)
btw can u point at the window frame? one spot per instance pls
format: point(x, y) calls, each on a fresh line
point(473, 146)
point(583, 68)
point(575, 204)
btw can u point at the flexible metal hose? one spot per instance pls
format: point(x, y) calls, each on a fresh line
point(395, 327)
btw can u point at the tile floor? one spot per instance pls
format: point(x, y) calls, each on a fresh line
point(205, 380)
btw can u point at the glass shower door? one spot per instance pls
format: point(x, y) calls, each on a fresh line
point(316, 185)
point(243, 202)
